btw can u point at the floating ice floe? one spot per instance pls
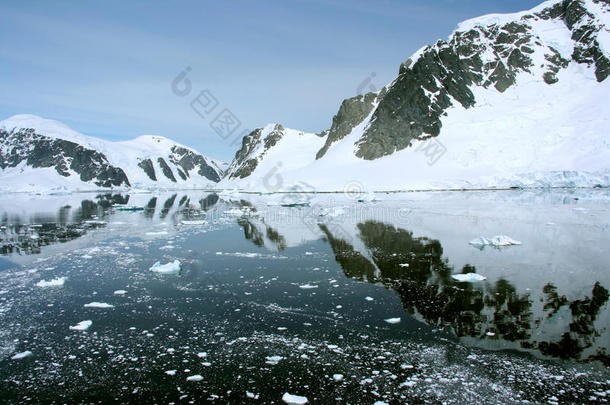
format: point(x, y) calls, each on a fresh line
point(496, 241)
point(392, 320)
point(157, 233)
point(273, 360)
point(369, 298)
point(404, 264)
point(119, 207)
point(307, 286)
point(294, 399)
point(196, 377)
point(83, 325)
point(194, 222)
point(56, 282)
point(120, 292)
point(168, 268)
point(96, 304)
point(338, 377)
point(22, 355)
point(171, 372)
point(468, 277)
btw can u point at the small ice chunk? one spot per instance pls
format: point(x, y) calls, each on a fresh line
point(294, 399)
point(120, 292)
point(338, 377)
point(307, 286)
point(369, 298)
point(171, 372)
point(404, 264)
point(201, 355)
point(157, 233)
point(468, 277)
point(95, 304)
point(22, 355)
point(168, 268)
point(56, 282)
point(83, 325)
point(196, 377)
point(392, 320)
point(273, 360)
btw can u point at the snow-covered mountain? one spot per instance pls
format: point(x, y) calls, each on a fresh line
point(513, 100)
point(40, 154)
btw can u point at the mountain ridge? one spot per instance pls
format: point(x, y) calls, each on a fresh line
point(36, 149)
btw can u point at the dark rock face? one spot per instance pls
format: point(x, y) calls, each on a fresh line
point(244, 163)
point(189, 160)
point(166, 169)
point(351, 113)
point(38, 151)
point(411, 107)
point(148, 168)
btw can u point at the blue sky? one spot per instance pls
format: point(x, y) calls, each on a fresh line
point(106, 68)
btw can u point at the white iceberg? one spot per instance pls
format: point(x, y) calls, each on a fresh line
point(56, 282)
point(468, 277)
point(392, 320)
point(273, 360)
point(168, 268)
point(96, 304)
point(120, 292)
point(83, 325)
point(496, 241)
point(196, 377)
point(22, 355)
point(294, 399)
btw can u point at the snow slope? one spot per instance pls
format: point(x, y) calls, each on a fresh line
point(543, 130)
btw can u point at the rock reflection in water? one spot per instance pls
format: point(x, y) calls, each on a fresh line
point(415, 269)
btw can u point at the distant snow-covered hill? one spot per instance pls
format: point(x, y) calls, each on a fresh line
point(40, 154)
point(509, 100)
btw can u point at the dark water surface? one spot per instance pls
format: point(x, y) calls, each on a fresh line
point(318, 296)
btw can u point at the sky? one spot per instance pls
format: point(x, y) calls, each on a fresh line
point(111, 69)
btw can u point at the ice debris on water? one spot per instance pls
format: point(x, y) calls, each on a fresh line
point(196, 377)
point(168, 268)
point(392, 320)
point(120, 292)
point(496, 241)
